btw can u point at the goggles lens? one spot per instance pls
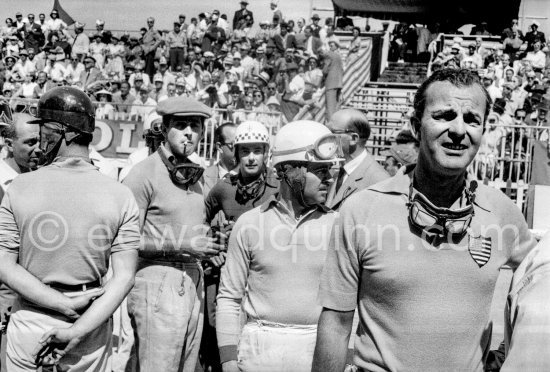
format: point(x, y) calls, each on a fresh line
point(186, 174)
point(442, 221)
point(326, 147)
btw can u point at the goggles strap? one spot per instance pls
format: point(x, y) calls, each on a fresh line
point(195, 171)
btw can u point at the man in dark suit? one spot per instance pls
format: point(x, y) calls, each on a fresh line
point(312, 43)
point(224, 137)
point(284, 40)
point(242, 14)
point(360, 169)
point(90, 74)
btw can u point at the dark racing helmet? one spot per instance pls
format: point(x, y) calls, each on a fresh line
point(68, 106)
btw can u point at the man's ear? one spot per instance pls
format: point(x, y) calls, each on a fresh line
point(9, 144)
point(415, 127)
point(354, 139)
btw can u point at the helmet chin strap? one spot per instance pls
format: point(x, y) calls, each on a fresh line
point(49, 152)
point(295, 178)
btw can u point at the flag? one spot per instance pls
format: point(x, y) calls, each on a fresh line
point(63, 15)
point(356, 75)
point(480, 249)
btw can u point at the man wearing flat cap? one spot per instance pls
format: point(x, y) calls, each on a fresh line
point(243, 13)
point(166, 303)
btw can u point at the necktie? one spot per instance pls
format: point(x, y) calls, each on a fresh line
point(340, 179)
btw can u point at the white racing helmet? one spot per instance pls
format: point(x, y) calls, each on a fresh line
point(305, 141)
point(251, 132)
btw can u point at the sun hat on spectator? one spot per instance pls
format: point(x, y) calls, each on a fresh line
point(162, 61)
point(535, 23)
point(79, 25)
point(138, 77)
point(209, 54)
point(12, 57)
point(237, 55)
point(157, 78)
point(456, 46)
point(99, 22)
point(180, 82)
point(103, 92)
point(23, 52)
point(273, 101)
point(271, 44)
point(263, 76)
point(228, 61)
point(315, 16)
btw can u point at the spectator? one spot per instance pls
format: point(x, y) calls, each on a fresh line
point(534, 35)
point(150, 42)
point(91, 74)
point(176, 41)
point(104, 109)
point(123, 99)
point(143, 105)
point(355, 45)
point(333, 74)
point(242, 14)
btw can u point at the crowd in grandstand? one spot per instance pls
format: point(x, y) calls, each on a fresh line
point(225, 63)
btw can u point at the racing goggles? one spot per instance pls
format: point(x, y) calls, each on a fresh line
point(424, 215)
point(325, 148)
point(185, 174)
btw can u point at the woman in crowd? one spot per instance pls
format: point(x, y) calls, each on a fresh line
point(97, 50)
point(104, 108)
point(355, 45)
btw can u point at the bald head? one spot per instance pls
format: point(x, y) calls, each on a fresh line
point(354, 130)
point(352, 121)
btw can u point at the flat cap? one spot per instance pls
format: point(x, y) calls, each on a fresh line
point(183, 106)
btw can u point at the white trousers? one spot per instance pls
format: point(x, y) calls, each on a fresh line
point(273, 347)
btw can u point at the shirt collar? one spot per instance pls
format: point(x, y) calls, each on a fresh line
point(73, 163)
point(354, 163)
point(274, 200)
point(400, 184)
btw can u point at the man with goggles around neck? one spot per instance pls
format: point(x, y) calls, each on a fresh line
point(360, 169)
point(52, 253)
point(419, 254)
point(252, 185)
point(275, 257)
point(166, 303)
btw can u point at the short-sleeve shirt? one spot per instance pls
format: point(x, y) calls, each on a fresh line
point(421, 307)
point(63, 221)
point(171, 214)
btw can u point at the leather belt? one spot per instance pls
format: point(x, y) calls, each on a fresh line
point(172, 256)
point(75, 287)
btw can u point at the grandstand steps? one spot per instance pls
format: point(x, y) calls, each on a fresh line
point(408, 72)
